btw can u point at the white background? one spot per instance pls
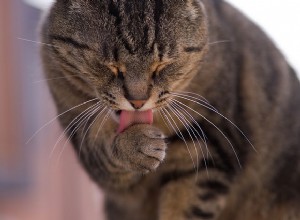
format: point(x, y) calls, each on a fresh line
point(280, 19)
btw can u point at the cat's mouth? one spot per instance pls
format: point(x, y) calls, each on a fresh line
point(129, 118)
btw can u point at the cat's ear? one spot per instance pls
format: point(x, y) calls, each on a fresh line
point(195, 8)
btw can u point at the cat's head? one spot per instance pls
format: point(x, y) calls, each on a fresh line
point(131, 53)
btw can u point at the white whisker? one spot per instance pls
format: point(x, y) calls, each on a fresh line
point(202, 136)
point(187, 127)
point(227, 119)
point(179, 133)
point(168, 126)
point(76, 120)
point(202, 102)
point(192, 93)
point(84, 119)
point(37, 42)
point(52, 120)
point(219, 42)
point(102, 123)
point(234, 151)
point(98, 116)
point(51, 79)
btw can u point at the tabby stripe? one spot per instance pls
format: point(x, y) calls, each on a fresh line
point(192, 49)
point(226, 164)
point(64, 60)
point(173, 49)
point(175, 175)
point(95, 162)
point(158, 11)
point(68, 40)
point(223, 154)
point(90, 160)
point(146, 35)
point(207, 197)
point(113, 11)
point(116, 54)
point(105, 50)
point(160, 52)
point(212, 164)
point(198, 212)
point(238, 140)
point(215, 186)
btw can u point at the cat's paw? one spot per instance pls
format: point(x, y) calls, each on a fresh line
point(141, 148)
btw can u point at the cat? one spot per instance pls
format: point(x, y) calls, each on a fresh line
point(179, 109)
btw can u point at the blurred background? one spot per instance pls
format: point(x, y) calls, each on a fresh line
point(37, 183)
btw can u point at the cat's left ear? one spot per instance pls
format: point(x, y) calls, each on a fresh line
point(195, 8)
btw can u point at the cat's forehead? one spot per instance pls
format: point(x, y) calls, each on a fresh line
point(138, 21)
point(131, 30)
point(141, 9)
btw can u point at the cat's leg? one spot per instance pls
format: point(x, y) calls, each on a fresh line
point(192, 197)
point(118, 161)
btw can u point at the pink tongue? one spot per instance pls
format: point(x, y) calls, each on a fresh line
point(128, 118)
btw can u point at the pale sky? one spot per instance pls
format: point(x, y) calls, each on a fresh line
point(280, 19)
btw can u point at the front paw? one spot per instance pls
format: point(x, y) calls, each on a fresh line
point(141, 148)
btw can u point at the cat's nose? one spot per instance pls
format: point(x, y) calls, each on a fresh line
point(137, 104)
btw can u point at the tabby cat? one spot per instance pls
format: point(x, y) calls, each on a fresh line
point(177, 109)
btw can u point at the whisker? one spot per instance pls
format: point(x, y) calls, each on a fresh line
point(192, 93)
point(51, 79)
point(56, 117)
point(77, 119)
point(202, 135)
point(227, 119)
point(234, 151)
point(171, 125)
point(84, 119)
point(202, 102)
point(168, 126)
point(187, 127)
point(37, 42)
point(102, 124)
point(98, 116)
point(219, 42)
point(179, 133)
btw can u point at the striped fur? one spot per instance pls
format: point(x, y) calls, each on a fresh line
point(120, 50)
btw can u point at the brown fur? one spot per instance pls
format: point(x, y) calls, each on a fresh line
point(147, 50)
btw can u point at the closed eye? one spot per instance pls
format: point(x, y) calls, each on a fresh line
point(118, 72)
point(158, 67)
point(70, 41)
point(192, 49)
